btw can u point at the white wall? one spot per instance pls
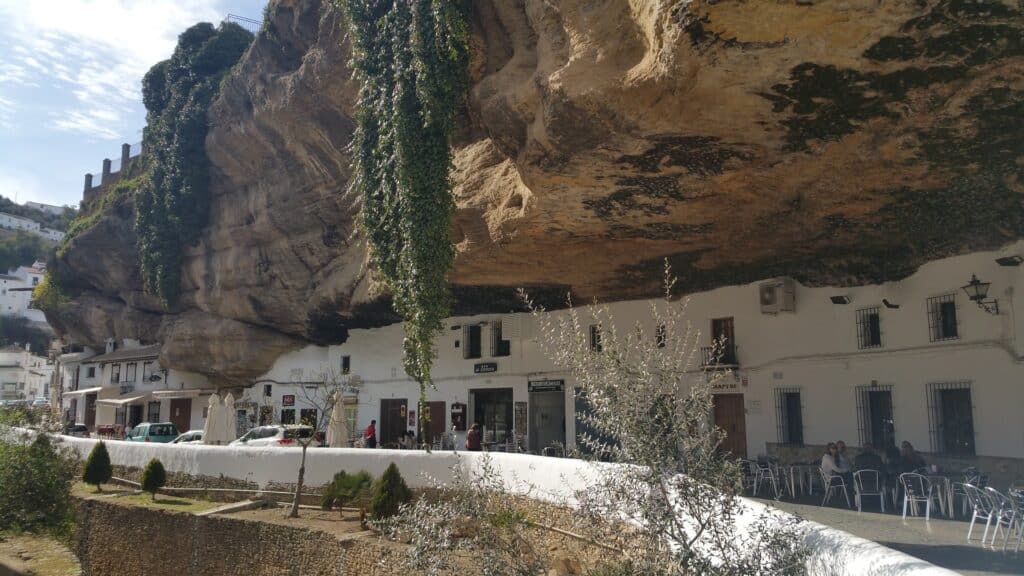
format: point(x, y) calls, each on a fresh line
point(833, 552)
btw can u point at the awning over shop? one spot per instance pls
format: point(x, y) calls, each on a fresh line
point(83, 391)
point(122, 401)
point(172, 394)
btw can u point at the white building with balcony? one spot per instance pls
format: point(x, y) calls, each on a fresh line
point(23, 375)
point(16, 293)
point(126, 385)
point(913, 360)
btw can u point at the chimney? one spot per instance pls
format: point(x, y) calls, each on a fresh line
point(111, 345)
point(106, 171)
point(126, 150)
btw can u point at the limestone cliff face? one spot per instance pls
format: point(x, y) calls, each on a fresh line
point(847, 141)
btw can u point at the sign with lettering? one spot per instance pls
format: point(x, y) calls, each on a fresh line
point(485, 367)
point(546, 385)
point(288, 400)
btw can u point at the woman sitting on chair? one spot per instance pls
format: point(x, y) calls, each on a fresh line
point(831, 467)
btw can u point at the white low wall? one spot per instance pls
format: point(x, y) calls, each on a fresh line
point(834, 552)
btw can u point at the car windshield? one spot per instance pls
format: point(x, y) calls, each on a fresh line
point(162, 430)
point(302, 433)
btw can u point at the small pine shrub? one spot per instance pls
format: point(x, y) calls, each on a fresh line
point(97, 468)
point(345, 488)
point(154, 477)
point(389, 493)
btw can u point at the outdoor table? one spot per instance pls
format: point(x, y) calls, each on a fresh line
point(802, 471)
point(943, 482)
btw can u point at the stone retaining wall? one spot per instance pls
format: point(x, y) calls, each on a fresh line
point(114, 540)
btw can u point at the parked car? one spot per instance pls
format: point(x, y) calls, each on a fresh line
point(41, 401)
point(147, 432)
point(279, 435)
point(79, 430)
point(190, 437)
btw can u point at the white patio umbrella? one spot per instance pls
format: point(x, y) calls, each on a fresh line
point(230, 431)
point(212, 420)
point(337, 430)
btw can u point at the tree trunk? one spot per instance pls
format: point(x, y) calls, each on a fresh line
point(298, 485)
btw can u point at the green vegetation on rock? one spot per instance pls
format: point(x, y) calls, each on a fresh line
point(412, 62)
point(22, 249)
point(18, 331)
point(98, 470)
point(173, 202)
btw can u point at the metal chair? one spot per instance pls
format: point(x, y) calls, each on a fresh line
point(1017, 499)
point(767, 472)
point(867, 483)
point(831, 483)
point(916, 488)
point(981, 507)
point(1005, 515)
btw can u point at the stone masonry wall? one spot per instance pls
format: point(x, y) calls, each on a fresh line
point(117, 540)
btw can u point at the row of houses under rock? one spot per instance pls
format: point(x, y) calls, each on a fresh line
point(924, 360)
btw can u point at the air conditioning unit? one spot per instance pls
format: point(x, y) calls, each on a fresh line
point(778, 296)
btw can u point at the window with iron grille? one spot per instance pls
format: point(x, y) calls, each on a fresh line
point(660, 336)
point(789, 416)
point(471, 336)
point(875, 422)
point(942, 319)
point(346, 364)
point(869, 328)
point(951, 418)
point(499, 345)
point(595, 337)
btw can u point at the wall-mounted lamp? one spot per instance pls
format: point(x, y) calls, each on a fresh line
point(842, 299)
point(1014, 260)
point(977, 291)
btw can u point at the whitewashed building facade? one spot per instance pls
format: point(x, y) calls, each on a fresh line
point(23, 375)
point(912, 360)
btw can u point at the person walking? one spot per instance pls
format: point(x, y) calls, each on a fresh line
point(371, 434)
point(473, 438)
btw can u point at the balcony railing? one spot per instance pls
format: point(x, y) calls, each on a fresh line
point(126, 387)
point(719, 357)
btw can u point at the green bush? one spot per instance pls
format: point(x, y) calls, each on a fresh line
point(35, 486)
point(154, 477)
point(389, 493)
point(345, 488)
point(98, 470)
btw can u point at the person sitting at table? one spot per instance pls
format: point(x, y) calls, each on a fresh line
point(842, 459)
point(868, 459)
point(830, 466)
point(910, 460)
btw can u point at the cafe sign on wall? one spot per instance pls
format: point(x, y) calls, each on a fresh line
point(546, 385)
point(485, 367)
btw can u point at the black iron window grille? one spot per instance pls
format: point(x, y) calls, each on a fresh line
point(942, 318)
point(951, 418)
point(869, 328)
point(789, 416)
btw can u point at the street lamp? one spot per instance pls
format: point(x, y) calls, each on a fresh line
point(977, 291)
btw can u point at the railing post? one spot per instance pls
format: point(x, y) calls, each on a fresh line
point(126, 150)
point(106, 171)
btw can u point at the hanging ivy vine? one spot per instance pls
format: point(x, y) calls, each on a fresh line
point(412, 60)
point(173, 203)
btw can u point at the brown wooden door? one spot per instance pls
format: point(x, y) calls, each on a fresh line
point(392, 421)
point(731, 418)
point(437, 425)
point(181, 414)
point(90, 411)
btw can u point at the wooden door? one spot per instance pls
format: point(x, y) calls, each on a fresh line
point(90, 411)
point(731, 418)
point(181, 414)
point(392, 421)
point(437, 425)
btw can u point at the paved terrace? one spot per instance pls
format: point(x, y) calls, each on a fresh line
point(941, 541)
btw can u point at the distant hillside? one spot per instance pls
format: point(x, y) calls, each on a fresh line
point(19, 248)
point(45, 219)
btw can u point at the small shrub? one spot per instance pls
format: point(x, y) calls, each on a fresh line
point(35, 487)
point(345, 488)
point(389, 493)
point(153, 477)
point(97, 468)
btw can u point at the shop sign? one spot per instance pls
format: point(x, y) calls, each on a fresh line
point(485, 367)
point(546, 385)
point(288, 400)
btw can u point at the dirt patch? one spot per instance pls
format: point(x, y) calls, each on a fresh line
point(38, 555)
